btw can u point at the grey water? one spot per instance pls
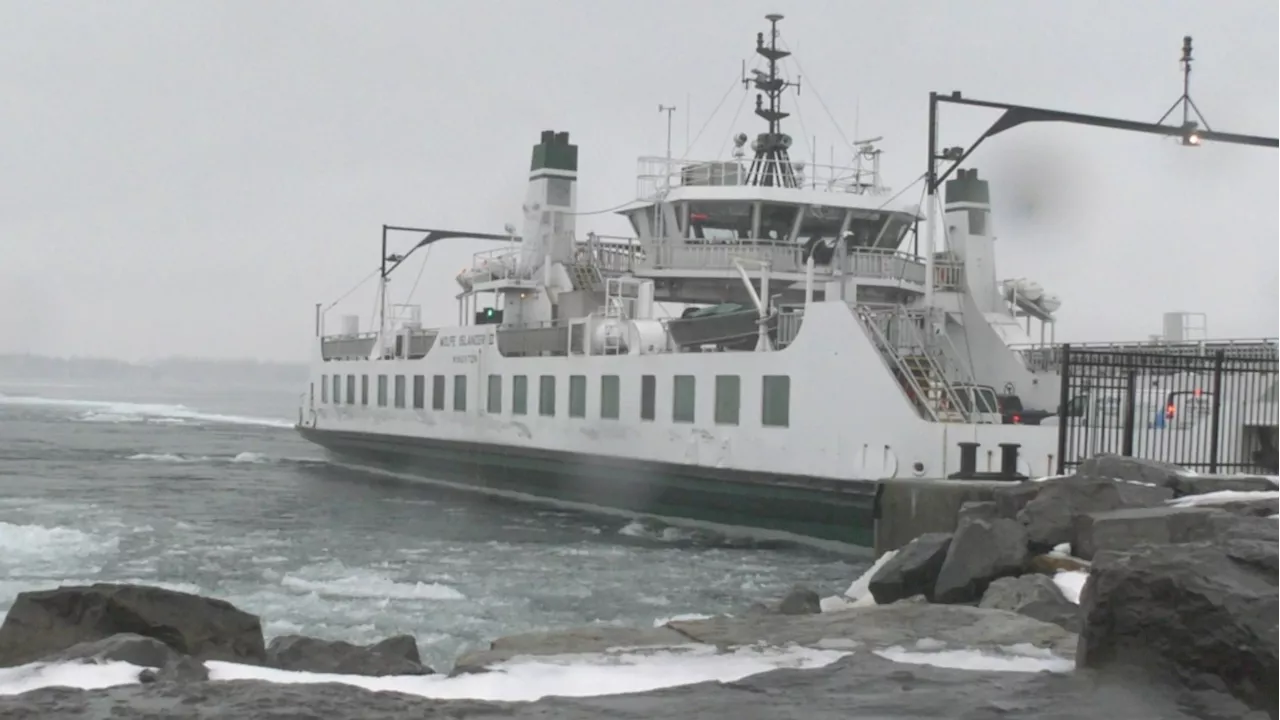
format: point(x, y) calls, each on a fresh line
point(208, 490)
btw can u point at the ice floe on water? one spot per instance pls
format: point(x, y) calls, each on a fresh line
point(131, 412)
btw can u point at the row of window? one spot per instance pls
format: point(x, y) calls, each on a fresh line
point(775, 395)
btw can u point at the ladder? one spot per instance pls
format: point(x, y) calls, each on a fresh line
point(614, 309)
point(917, 365)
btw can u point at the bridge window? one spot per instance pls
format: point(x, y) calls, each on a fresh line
point(820, 228)
point(364, 389)
point(577, 396)
point(419, 392)
point(648, 396)
point(547, 395)
point(437, 392)
point(775, 401)
point(683, 404)
point(337, 389)
point(460, 393)
point(351, 389)
point(399, 391)
point(609, 397)
point(728, 394)
point(776, 221)
point(324, 388)
point(719, 221)
point(382, 391)
point(493, 399)
point(519, 395)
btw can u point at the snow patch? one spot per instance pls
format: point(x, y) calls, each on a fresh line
point(520, 679)
point(1013, 658)
point(1071, 583)
point(860, 590)
point(1224, 496)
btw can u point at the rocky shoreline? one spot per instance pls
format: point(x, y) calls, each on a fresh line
point(1177, 619)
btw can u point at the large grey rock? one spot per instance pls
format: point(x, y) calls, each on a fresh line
point(980, 551)
point(1203, 613)
point(1108, 466)
point(1122, 529)
point(124, 647)
point(45, 622)
point(298, 652)
point(801, 601)
point(1251, 541)
point(861, 685)
point(161, 662)
point(1010, 499)
point(1035, 596)
point(1050, 517)
point(912, 571)
point(401, 646)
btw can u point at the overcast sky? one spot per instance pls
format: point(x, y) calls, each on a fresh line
point(190, 178)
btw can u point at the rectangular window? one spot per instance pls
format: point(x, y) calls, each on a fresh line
point(460, 393)
point(493, 403)
point(337, 389)
point(577, 396)
point(728, 395)
point(400, 391)
point(324, 388)
point(351, 389)
point(547, 395)
point(364, 389)
point(648, 395)
point(519, 395)
point(382, 391)
point(682, 399)
point(437, 392)
point(609, 396)
point(419, 392)
point(775, 403)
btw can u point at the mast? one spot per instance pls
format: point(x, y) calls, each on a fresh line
point(771, 166)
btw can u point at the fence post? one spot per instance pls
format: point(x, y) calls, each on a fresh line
point(1215, 421)
point(1130, 400)
point(1064, 399)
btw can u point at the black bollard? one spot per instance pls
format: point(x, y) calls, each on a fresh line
point(968, 460)
point(1009, 460)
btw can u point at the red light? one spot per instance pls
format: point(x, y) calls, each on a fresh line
point(698, 217)
point(1169, 411)
point(1197, 394)
point(1017, 419)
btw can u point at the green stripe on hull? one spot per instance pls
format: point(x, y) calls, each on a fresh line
point(834, 511)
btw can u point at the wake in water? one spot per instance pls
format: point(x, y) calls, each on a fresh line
point(106, 411)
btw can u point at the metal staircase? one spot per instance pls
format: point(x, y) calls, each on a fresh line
point(919, 366)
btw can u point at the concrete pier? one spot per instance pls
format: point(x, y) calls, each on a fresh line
point(907, 508)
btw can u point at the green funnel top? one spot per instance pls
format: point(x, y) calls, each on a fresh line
point(966, 187)
point(555, 153)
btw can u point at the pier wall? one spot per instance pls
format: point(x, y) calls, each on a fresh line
point(907, 508)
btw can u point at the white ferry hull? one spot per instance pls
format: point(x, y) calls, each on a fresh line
point(849, 427)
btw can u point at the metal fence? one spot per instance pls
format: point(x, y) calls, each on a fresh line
point(1213, 413)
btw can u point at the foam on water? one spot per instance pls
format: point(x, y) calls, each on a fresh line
point(129, 412)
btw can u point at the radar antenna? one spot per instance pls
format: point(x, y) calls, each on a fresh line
point(1190, 127)
point(771, 165)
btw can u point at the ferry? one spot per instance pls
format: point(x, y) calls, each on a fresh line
point(823, 345)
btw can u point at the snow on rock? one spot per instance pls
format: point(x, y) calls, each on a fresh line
point(1071, 583)
point(1221, 497)
point(860, 589)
